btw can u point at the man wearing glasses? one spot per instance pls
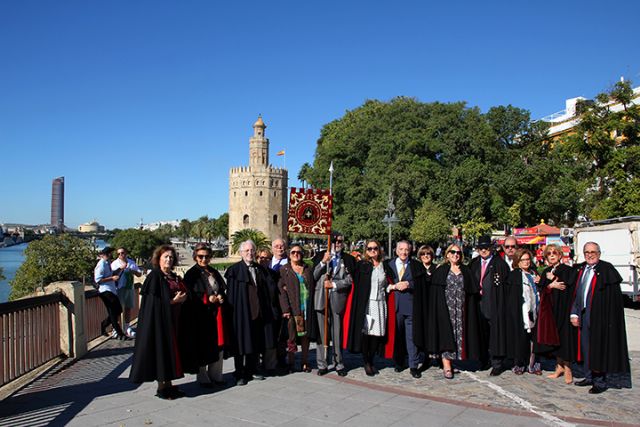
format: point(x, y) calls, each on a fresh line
point(250, 287)
point(598, 310)
point(332, 271)
point(510, 247)
point(126, 293)
point(490, 273)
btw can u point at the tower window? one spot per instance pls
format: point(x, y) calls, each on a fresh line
point(246, 193)
point(234, 194)
point(275, 219)
point(261, 193)
point(245, 220)
point(274, 194)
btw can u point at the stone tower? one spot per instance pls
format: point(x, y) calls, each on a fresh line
point(258, 192)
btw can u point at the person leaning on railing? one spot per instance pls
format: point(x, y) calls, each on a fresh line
point(156, 356)
point(107, 280)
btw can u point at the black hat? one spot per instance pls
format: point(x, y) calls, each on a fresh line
point(106, 251)
point(484, 242)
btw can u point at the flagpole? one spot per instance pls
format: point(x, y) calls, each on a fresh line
point(328, 276)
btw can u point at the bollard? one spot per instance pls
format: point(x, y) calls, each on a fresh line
point(73, 337)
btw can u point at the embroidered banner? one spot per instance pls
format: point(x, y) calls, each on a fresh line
point(310, 211)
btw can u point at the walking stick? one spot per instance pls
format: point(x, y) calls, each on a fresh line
point(326, 301)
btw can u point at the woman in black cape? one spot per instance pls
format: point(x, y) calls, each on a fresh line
point(156, 356)
point(453, 310)
point(426, 256)
point(522, 313)
point(199, 321)
point(556, 336)
point(368, 318)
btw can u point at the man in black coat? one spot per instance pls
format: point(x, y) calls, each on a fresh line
point(490, 273)
point(598, 310)
point(250, 291)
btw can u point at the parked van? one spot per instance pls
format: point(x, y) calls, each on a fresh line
point(619, 242)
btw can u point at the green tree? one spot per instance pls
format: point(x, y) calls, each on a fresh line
point(258, 237)
point(184, 229)
point(607, 140)
point(222, 225)
point(54, 258)
point(303, 175)
point(139, 243)
point(198, 229)
point(431, 224)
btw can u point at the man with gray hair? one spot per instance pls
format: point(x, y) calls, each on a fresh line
point(598, 310)
point(249, 294)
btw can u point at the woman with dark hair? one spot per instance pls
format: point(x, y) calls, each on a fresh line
point(555, 335)
point(368, 316)
point(199, 340)
point(425, 255)
point(453, 312)
point(522, 313)
point(296, 279)
point(156, 356)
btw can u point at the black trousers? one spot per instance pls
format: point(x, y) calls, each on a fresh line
point(370, 346)
point(245, 366)
point(114, 310)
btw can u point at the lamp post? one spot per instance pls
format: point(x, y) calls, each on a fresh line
point(390, 218)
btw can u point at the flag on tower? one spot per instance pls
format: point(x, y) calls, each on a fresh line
point(310, 211)
point(280, 153)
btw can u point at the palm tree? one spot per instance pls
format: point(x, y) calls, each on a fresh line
point(305, 172)
point(258, 237)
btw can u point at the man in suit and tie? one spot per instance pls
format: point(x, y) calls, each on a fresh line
point(598, 310)
point(490, 272)
point(407, 274)
point(250, 290)
point(340, 267)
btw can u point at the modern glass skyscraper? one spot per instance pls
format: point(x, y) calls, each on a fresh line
point(57, 203)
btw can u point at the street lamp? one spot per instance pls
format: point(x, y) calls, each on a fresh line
point(390, 218)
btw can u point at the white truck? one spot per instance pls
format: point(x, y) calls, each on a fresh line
point(619, 242)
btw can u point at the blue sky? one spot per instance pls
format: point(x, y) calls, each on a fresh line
point(144, 106)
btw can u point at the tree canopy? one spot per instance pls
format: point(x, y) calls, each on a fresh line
point(54, 258)
point(479, 169)
point(258, 237)
point(139, 243)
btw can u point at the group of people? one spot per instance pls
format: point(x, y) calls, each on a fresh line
point(497, 310)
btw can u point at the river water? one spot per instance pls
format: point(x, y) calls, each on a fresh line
point(10, 259)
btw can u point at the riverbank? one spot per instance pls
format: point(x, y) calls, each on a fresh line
point(11, 258)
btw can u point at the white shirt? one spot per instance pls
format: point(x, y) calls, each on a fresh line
point(281, 261)
point(102, 270)
point(131, 266)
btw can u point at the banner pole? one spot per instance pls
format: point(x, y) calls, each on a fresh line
point(328, 275)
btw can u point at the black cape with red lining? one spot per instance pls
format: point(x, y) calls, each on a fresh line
point(155, 355)
point(440, 335)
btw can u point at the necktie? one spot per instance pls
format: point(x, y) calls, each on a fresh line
point(586, 282)
point(401, 272)
point(483, 270)
point(252, 270)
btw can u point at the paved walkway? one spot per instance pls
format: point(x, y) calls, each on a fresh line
point(95, 391)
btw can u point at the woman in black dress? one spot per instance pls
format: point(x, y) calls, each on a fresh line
point(555, 335)
point(199, 323)
point(156, 356)
point(452, 321)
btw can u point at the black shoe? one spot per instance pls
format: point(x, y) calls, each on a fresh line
point(342, 372)
point(597, 389)
point(175, 392)
point(399, 368)
point(496, 372)
point(124, 337)
point(323, 371)
point(258, 377)
point(415, 373)
point(241, 381)
point(165, 394)
point(368, 369)
point(583, 383)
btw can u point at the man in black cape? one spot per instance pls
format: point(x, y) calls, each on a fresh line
point(598, 310)
point(490, 273)
point(250, 288)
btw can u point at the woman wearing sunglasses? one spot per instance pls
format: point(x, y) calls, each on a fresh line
point(200, 338)
point(556, 337)
point(452, 323)
point(522, 313)
point(368, 316)
point(294, 284)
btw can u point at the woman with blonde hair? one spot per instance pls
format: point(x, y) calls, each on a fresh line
point(452, 322)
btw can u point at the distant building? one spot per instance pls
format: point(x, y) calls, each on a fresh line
point(91, 227)
point(258, 192)
point(155, 225)
point(57, 203)
point(565, 120)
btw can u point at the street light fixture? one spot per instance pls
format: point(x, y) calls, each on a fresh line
point(390, 218)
